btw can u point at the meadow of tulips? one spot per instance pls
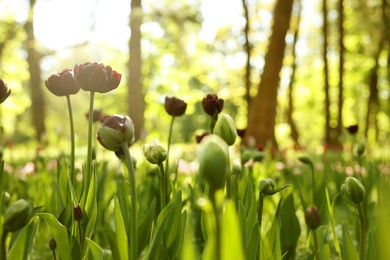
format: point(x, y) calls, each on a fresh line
point(215, 198)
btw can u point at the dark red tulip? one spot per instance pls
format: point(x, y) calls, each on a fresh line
point(4, 91)
point(97, 115)
point(199, 138)
point(78, 213)
point(96, 77)
point(62, 84)
point(212, 104)
point(312, 217)
point(352, 129)
point(241, 132)
point(175, 106)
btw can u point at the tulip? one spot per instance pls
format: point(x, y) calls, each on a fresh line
point(175, 106)
point(213, 161)
point(267, 187)
point(62, 84)
point(212, 104)
point(4, 91)
point(226, 129)
point(154, 152)
point(115, 131)
point(96, 77)
point(312, 217)
point(353, 191)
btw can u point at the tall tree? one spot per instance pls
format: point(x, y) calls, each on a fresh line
point(135, 98)
point(33, 60)
point(290, 109)
point(248, 51)
point(328, 130)
point(262, 113)
point(341, 72)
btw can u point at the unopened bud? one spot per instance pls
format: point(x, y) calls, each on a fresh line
point(213, 161)
point(17, 215)
point(78, 213)
point(312, 217)
point(154, 152)
point(115, 131)
point(267, 186)
point(353, 191)
point(52, 244)
point(226, 129)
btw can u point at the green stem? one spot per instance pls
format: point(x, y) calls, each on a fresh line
point(169, 144)
point(163, 186)
point(228, 178)
point(81, 234)
point(72, 151)
point(260, 217)
point(313, 183)
point(88, 174)
point(362, 240)
point(3, 249)
point(133, 207)
point(315, 244)
point(217, 224)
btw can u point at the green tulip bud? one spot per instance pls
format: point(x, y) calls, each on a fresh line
point(115, 131)
point(267, 186)
point(312, 217)
point(353, 191)
point(251, 154)
point(52, 244)
point(17, 215)
point(360, 149)
point(213, 161)
point(306, 160)
point(226, 129)
point(154, 152)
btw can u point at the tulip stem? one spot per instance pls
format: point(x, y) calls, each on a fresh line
point(89, 151)
point(133, 203)
point(362, 238)
point(260, 217)
point(163, 186)
point(218, 234)
point(72, 151)
point(169, 144)
point(3, 254)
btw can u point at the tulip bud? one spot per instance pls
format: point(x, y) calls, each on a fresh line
point(226, 129)
point(212, 104)
point(353, 191)
point(115, 131)
point(78, 213)
point(52, 244)
point(254, 154)
point(213, 161)
point(154, 152)
point(62, 84)
point(17, 215)
point(360, 149)
point(267, 186)
point(305, 159)
point(175, 106)
point(4, 91)
point(312, 217)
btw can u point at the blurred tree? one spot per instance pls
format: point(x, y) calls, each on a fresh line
point(341, 74)
point(248, 51)
point(290, 108)
point(136, 103)
point(35, 81)
point(328, 129)
point(262, 113)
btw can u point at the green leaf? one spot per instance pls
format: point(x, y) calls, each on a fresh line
point(349, 250)
point(59, 233)
point(289, 229)
point(22, 247)
point(144, 227)
point(270, 245)
point(331, 218)
point(371, 252)
point(91, 204)
point(94, 249)
point(232, 247)
point(121, 236)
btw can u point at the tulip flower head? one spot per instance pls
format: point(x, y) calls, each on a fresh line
point(212, 104)
point(226, 129)
point(4, 91)
point(96, 77)
point(175, 106)
point(62, 84)
point(115, 131)
point(154, 152)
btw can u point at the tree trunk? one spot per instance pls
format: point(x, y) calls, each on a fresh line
point(136, 104)
point(326, 72)
point(248, 51)
point(290, 110)
point(262, 114)
point(37, 95)
point(341, 74)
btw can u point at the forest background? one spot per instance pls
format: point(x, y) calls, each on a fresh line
point(294, 73)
